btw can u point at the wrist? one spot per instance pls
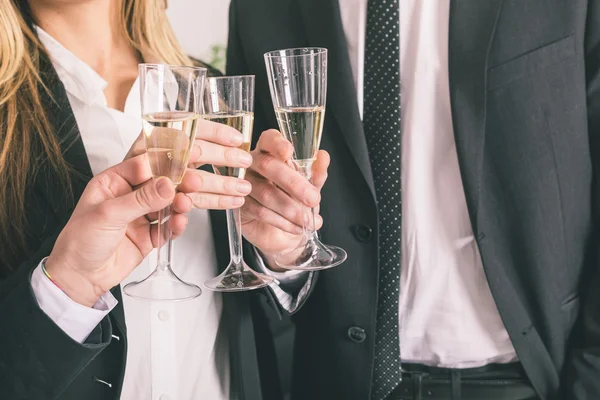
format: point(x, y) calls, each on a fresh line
point(71, 282)
point(270, 263)
point(290, 253)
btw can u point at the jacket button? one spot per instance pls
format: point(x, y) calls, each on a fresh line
point(363, 233)
point(357, 334)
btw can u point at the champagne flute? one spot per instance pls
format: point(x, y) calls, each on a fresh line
point(229, 100)
point(298, 82)
point(171, 100)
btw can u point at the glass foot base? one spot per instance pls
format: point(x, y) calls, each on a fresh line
point(162, 285)
point(312, 256)
point(243, 281)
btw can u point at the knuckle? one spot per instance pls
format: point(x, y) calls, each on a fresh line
point(223, 202)
point(252, 207)
point(288, 226)
point(102, 180)
point(104, 211)
point(198, 200)
point(230, 155)
point(265, 163)
point(291, 212)
point(297, 181)
point(266, 193)
point(263, 212)
point(226, 134)
point(143, 196)
point(228, 186)
point(213, 131)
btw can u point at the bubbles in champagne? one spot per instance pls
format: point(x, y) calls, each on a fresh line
point(169, 139)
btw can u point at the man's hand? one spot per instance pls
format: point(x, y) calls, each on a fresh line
point(215, 144)
point(108, 235)
point(281, 198)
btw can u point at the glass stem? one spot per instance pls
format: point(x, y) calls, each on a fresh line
point(305, 169)
point(165, 236)
point(234, 229)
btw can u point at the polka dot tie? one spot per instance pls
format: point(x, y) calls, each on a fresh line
point(382, 129)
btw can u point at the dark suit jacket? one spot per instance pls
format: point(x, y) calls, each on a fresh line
point(525, 97)
point(38, 361)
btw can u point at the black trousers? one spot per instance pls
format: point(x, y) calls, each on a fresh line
point(491, 382)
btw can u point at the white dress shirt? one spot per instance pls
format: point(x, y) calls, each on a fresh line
point(447, 315)
point(176, 351)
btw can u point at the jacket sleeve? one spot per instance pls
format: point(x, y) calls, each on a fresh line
point(37, 359)
point(286, 299)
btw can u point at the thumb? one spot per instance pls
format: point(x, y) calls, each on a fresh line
point(150, 197)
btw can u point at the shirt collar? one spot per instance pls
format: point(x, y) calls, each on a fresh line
point(79, 79)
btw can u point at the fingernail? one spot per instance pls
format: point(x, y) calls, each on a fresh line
point(244, 187)
point(245, 159)
point(236, 140)
point(312, 197)
point(164, 188)
point(238, 201)
point(298, 230)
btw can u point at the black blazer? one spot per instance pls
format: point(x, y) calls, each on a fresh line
point(37, 359)
point(525, 97)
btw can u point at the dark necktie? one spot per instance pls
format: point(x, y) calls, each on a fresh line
point(382, 129)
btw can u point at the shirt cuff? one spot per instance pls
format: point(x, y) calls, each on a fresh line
point(76, 320)
point(290, 287)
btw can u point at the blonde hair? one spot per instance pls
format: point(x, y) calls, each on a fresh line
point(26, 138)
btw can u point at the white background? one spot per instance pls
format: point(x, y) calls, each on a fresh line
point(199, 24)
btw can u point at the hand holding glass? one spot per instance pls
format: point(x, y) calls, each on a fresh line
point(298, 82)
point(171, 100)
point(230, 101)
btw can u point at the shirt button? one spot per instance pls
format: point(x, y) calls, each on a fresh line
point(362, 233)
point(164, 397)
point(163, 316)
point(357, 334)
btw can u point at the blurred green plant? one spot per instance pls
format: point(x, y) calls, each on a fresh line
point(218, 56)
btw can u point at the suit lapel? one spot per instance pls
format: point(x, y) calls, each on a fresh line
point(472, 27)
point(324, 28)
point(63, 120)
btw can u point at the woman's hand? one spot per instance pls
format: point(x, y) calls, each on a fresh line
point(108, 235)
point(281, 198)
point(215, 144)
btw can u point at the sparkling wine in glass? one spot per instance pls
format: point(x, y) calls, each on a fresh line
point(229, 100)
point(298, 83)
point(171, 99)
point(242, 122)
